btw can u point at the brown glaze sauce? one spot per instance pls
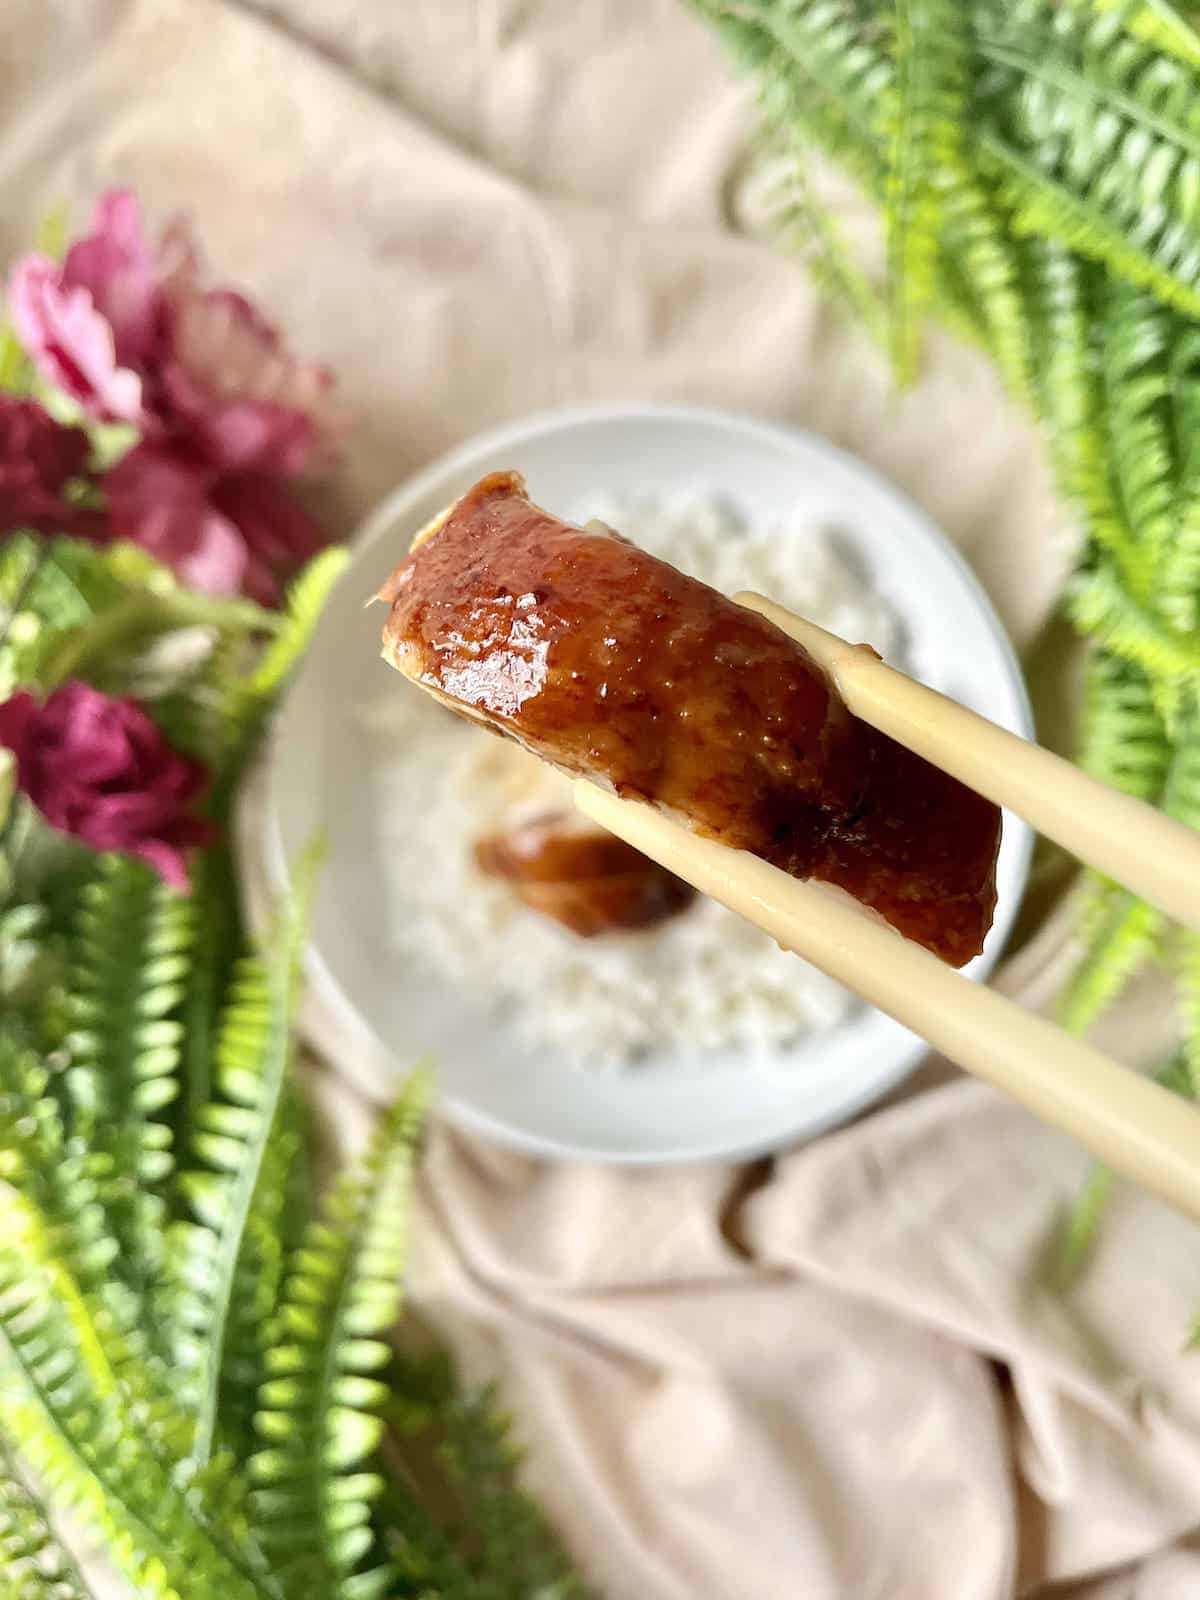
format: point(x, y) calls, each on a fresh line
point(587, 880)
point(612, 665)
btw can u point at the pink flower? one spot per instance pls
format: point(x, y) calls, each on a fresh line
point(232, 386)
point(37, 458)
point(93, 326)
point(99, 769)
point(129, 333)
point(221, 531)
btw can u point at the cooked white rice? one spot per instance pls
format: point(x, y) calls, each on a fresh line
point(704, 980)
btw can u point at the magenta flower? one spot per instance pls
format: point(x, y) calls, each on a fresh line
point(99, 769)
point(230, 384)
point(224, 409)
point(222, 532)
point(129, 333)
point(38, 456)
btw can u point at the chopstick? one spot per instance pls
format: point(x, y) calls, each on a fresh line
point(1152, 854)
point(1140, 1129)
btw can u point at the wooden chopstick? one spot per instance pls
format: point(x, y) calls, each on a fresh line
point(1142, 1130)
point(1155, 856)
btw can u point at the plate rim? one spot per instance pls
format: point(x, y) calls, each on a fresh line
point(342, 1019)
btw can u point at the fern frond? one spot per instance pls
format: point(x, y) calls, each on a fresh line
point(518, 1551)
point(274, 1228)
point(230, 1144)
point(1083, 1225)
point(1137, 414)
point(130, 954)
point(1046, 206)
point(926, 113)
point(1063, 294)
point(822, 71)
point(1181, 789)
point(319, 1410)
point(1125, 741)
point(1179, 589)
point(25, 959)
point(1097, 140)
point(1101, 606)
point(976, 248)
point(63, 1402)
point(800, 224)
point(56, 1176)
point(1124, 941)
point(217, 937)
point(488, 1522)
point(34, 1564)
point(247, 699)
point(1156, 23)
point(420, 1552)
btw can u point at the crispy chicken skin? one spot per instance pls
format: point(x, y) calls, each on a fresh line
point(613, 666)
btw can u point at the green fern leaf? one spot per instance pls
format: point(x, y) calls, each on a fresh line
point(1063, 295)
point(1156, 23)
point(57, 1176)
point(130, 954)
point(319, 1409)
point(34, 1564)
point(518, 1551)
point(230, 1144)
point(421, 1555)
point(1097, 139)
point(1138, 417)
point(217, 937)
point(63, 1402)
point(274, 1227)
point(801, 224)
point(1178, 593)
point(1125, 741)
point(1179, 589)
point(247, 699)
point(1102, 607)
point(981, 263)
point(1083, 1225)
point(489, 1525)
point(1181, 789)
point(1044, 206)
point(822, 71)
point(1125, 940)
point(926, 111)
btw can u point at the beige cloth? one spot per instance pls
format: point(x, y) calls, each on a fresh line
point(844, 1373)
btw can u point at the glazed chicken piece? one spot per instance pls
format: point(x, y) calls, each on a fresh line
point(562, 866)
point(615, 667)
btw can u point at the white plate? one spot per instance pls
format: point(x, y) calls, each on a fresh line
point(374, 1018)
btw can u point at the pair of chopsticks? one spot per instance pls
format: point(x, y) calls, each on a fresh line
point(1140, 1129)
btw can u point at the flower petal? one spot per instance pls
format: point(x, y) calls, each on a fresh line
point(116, 265)
point(99, 769)
point(233, 380)
point(158, 498)
point(70, 342)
